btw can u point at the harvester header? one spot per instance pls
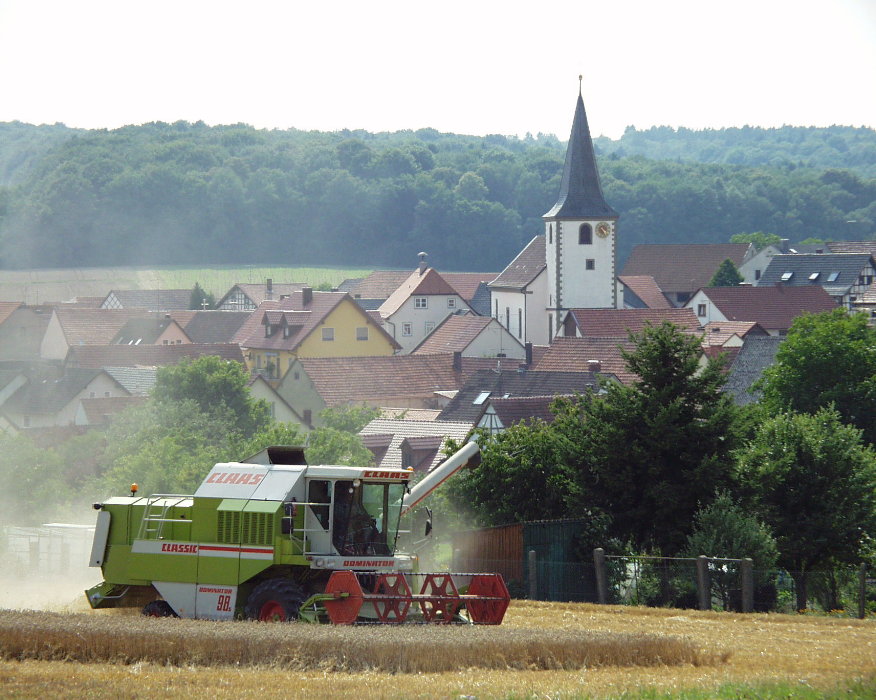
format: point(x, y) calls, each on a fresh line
point(272, 538)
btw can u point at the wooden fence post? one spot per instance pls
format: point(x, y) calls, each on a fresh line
point(862, 591)
point(601, 578)
point(533, 576)
point(746, 567)
point(704, 588)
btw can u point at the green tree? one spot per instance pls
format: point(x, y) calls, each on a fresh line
point(813, 482)
point(218, 387)
point(649, 453)
point(827, 359)
point(524, 474)
point(760, 239)
point(336, 440)
point(726, 275)
point(725, 529)
point(200, 299)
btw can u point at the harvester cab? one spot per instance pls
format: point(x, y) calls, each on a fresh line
point(272, 538)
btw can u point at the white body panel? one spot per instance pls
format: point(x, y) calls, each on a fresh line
point(101, 532)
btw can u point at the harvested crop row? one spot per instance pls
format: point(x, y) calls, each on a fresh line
point(415, 649)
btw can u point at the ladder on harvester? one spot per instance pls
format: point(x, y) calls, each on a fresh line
point(155, 515)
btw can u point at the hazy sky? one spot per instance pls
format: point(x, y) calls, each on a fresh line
point(474, 66)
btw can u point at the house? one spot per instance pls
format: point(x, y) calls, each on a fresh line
point(755, 355)
point(619, 323)
point(309, 324)
point(470, 403)
point(281, 411)
point(501, 412)
point(868, 247)
point(22, 329)
point(410, 444)
point(519, 294)
point(845, 276)
point(681, 269)
point(247, 297)
point(399, 381)
point(371, 291)
point(160, 300)
point(471, 336)
point(159, 329)
point(727, 337)
point(98, 356)
point(98, 412)
point(774, 308)
point(74, 327)
point(418, 305)
point(42, 404)
point(137, 381)
point(597, 355)
point(642, 292)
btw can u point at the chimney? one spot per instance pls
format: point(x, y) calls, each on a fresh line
point(423, 265)
point(306, 296)
point(457, 361)
point(594, 366)
point(784, 244)
point(528, 348)
point(269, 288)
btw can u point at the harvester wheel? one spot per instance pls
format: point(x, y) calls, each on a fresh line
point(274, 600)
point(158, 608)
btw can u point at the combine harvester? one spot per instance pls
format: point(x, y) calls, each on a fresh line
point(272, 538)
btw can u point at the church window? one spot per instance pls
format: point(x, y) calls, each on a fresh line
point(550, 233)
point(585, 234)
point(507, 318)
point(519, 323)
point(590, 264)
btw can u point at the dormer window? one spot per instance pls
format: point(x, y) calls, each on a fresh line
point(585, 234)
point(814, 276)
point(786, 276)
point(833, 277)
point(286, 331)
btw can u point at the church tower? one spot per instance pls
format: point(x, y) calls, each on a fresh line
point(580, 233)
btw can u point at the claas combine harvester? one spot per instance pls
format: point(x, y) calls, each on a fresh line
point(273, 538)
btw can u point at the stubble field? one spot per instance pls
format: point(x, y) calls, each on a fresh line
point(542, 650)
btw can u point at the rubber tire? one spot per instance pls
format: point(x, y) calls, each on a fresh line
point(158, 608)
point(277, 596)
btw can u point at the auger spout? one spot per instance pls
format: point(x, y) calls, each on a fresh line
point(468, 455)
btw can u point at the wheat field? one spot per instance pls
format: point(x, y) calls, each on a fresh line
point(551, 650)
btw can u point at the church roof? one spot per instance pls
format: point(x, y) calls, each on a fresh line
point(580, 190)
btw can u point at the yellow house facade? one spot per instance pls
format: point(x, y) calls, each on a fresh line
point(310, 324)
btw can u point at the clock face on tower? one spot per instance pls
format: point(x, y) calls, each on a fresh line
point(603, 229)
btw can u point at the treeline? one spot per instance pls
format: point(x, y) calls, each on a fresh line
point(187, 193)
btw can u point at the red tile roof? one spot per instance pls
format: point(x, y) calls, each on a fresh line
point(609, 323)
point(97, 356)
point(94, 326)
point(716, 333)
point(7, 308)
point(515, 409)
point(379, 284)
point(466, 283)
point(390, 380)
point(427, 283)
point(774, 308)
point(454, 334)
point(575, 354)
point(647, 289)
point(683, 267)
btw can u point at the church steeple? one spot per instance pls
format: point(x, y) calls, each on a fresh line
point(580, 192)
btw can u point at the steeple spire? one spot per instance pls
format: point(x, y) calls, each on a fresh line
point(580, 191)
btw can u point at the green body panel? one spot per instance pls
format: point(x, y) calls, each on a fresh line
point(117, 566)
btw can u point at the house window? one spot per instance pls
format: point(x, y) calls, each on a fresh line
point(786, 276)
point(496, 313)
point(585, 234)
point(519, 323)
point(296, 376)
point(166, 342)
point(421, 303)
point(328, 333)
point(757, 275)
point(550, 233)
point(407, 329)
point(865, 279)
point(179, 342)
point(286, 331)
point(307, 416)
point(362, 333)
point(590, 264)
point(832, 277)
point(430, 326)
point(701, 309)
point(507, 317)
point(451, 303)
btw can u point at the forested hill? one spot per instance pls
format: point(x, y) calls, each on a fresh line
point(187, 193)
